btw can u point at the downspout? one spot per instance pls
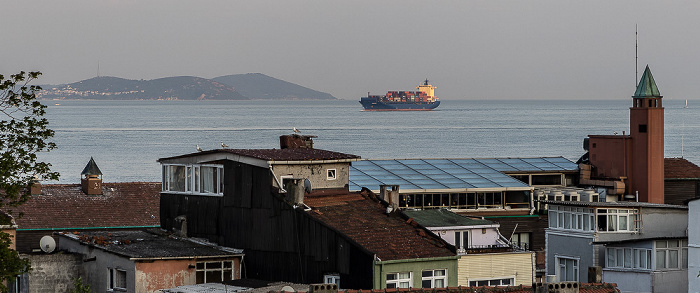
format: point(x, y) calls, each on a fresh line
point(279, 184)
point(532, 201)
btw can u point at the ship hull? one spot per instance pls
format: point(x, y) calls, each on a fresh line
point(372, 104)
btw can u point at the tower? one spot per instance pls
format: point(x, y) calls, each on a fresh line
point(92, 181)
point(647, 133)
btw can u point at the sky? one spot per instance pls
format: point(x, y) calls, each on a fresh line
point(469, 49)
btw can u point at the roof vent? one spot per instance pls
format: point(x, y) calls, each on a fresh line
point(92, 179)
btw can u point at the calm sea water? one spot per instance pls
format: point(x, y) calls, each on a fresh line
point(127, 137)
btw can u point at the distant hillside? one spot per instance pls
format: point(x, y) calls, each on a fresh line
point(169, 88)
point(260, 86)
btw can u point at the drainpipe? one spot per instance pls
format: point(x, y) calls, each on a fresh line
point(279, 184)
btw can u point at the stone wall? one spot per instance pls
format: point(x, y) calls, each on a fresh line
point(53, 272)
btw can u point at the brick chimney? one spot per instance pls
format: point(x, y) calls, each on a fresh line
point(91, 179)
point(294, 141)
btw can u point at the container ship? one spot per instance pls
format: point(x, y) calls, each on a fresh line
point(422, 100)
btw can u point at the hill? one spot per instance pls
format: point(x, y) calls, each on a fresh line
point(261, 86)
point(168, 88)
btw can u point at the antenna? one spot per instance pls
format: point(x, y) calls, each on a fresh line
point(636, 58)
point(47, 244)
point(98, 68)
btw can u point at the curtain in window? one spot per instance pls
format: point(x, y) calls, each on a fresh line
point(208, 176)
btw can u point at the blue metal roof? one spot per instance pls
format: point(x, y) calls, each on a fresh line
point(435, 174)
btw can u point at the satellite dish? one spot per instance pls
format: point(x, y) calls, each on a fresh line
point(47, 244)
point(287, 289)
point(307, 185)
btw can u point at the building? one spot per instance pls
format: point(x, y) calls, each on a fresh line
point(150, 260)
point(276, 205)
point(486, 257)
point(693, 246)
point(618, 238)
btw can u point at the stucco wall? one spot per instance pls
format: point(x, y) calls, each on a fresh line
point(54, 272)
point(572, 247)
point(163, 274)
point(476, 237)
point(670, 281)
point(496, 265)
point(97, 264)
point(416, 266)
point(694, 246)
point(316, 173)
point(629, 281)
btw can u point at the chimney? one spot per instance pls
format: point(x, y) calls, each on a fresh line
point(182, 220)
point(323, 288)
point(296, 141)
point(92, 179)
point(295, 191)
point(560, 287)
point(35, 186)
point(390, 196)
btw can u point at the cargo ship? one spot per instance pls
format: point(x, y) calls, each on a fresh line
point(422, 100)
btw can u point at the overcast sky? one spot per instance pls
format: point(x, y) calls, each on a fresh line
point(468, 49)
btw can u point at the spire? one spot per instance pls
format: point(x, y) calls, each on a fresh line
point(647, 86)
point(91, 168)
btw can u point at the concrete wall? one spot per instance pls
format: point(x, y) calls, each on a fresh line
point(629, 281)
point(98, 262)
point(496, 265)
point(476, 237)
point(163, 274)
point(694, 246)
point(54, 272)
point(416, 266)
point(670, 281)
point(316, 173)
point(565, 244)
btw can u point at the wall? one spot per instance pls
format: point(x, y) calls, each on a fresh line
point(610, 155)
point(694, 246)
point(316, 173)
point(163, 274)
point(670, 281)
point(54, 272)
point(629, 281)
point(656, 222)
point(476, 237)
point(677, 191)
point(96, 265)
point(496, 265)
point(573, 245)
point(416, 266)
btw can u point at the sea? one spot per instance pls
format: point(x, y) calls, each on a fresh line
point(126, 138)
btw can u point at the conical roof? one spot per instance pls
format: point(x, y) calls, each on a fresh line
point(91, 168)
point(647, 86)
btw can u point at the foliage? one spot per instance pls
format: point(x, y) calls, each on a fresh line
point(11, 264)
point(24, 132)
point(80, 287)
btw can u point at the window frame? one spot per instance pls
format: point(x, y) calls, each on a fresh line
point(193, 179)
point(558, 269)
point(397, 282)
point(491, 281)
point(432, 278)
point(612, 219)
point(333, 278)
point(222, 268)
point(112, 274)
point(636, 261)
point(681, 250)
point(331, 174)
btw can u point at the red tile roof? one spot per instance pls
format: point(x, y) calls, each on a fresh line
point(680, 168)
point(66, 206)
point(290, 154)
point(363, 218)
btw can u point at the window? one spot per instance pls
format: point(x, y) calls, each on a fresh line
point(434, 279)
point(611, 220)
point(492, 282)
point(642, 128)
point(462, 239)
point(567, 269)
point(399, 280)
point(671, 254)
point(330, 174)
point(194, 179)
point(570, 218)
point(332, 279)
point(214, 271)
point(522, 240)
point(628, 258)
point(117, 279)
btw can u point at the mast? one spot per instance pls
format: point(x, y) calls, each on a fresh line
point(636, 58)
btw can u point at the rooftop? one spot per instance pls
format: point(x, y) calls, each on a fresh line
point(437, 174)
point(288, 154)
point(363, 219)
point(616, 204)
point(680, 168)
point(443, 218)
point(62, 206)
point(153, 243)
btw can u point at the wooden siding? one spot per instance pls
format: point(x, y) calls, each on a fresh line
point(279, 242)
point(496, 266)
point(679, 191)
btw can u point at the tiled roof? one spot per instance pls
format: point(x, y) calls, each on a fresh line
point(680, 168)
point(362, 218)
point(444, 218)
point(289, 154)
point(66, 206)
point(154, 243)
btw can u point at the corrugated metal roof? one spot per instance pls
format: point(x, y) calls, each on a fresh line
point(437, 174)
point(443, 218)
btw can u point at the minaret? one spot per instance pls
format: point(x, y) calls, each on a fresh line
point(647, 133)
